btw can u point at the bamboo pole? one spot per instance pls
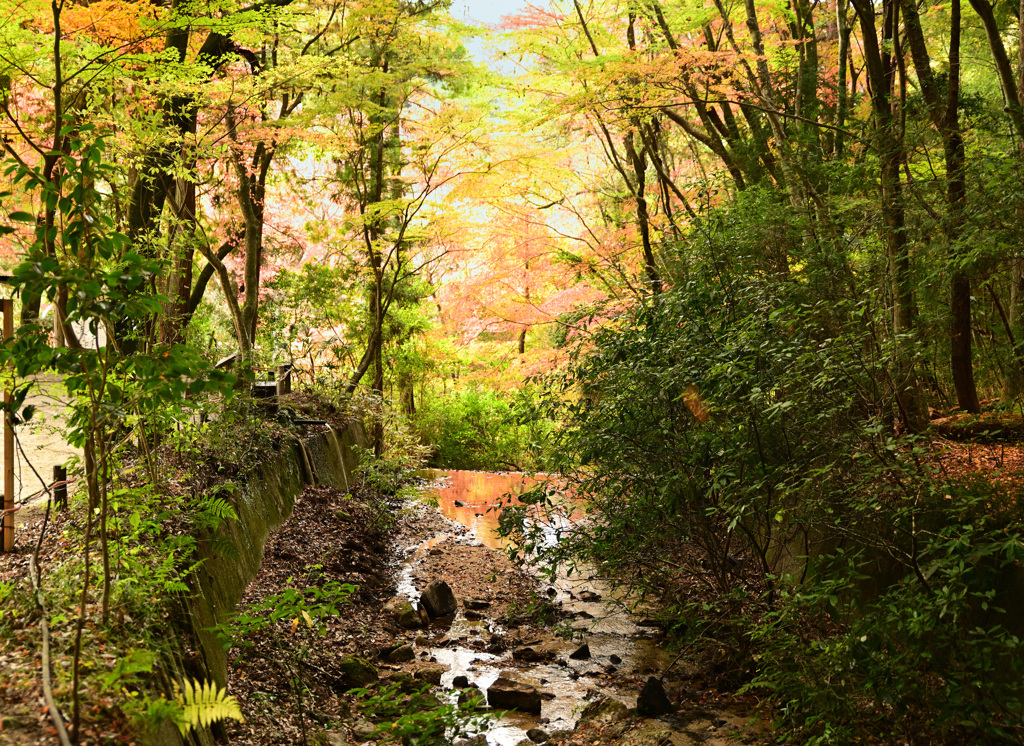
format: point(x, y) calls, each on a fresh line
point(8, 310)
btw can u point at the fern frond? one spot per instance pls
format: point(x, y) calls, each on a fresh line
point(203, 703)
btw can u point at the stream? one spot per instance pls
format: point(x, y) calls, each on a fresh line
point(619, 646)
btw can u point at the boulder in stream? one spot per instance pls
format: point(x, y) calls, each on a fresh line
point(581, 653)
point(472, 692)
point(653, 702)
point(431, 673)
point(438, 600)
point(506, 694)
point(538, 653)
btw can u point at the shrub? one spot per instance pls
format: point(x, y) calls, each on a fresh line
point(477, 429)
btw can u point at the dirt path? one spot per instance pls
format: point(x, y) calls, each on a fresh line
point(43, 445)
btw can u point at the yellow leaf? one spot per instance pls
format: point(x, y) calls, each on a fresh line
point(295, 624)
point(305, 615)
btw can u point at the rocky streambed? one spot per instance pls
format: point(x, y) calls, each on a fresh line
point(553, 655)
point(441, 606)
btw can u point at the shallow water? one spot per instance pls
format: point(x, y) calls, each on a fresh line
point(603, 621)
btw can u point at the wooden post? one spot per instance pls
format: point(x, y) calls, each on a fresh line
point(284, 380)
point(7, 304)
point(60, 490)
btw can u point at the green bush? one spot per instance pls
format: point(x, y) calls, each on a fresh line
point(478, 429)
point(735, 442)
point(932, 655)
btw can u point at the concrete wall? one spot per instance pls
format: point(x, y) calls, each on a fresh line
point(263, 502)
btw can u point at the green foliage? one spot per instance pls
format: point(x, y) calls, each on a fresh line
point(203, 703)
point(473, 428)
point(934, 647)
point(301, 314)
point(309, 607)
point(734, 442)
point(419, 719)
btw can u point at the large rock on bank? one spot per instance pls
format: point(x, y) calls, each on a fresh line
point(403, 614)
point(506, 694)
point(653, 702)
point(439, 600)
point(357, 671)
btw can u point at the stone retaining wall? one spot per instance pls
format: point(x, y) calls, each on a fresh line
point(263, 502)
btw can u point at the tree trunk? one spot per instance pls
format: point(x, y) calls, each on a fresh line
point(1013, 384)
point(881, 69)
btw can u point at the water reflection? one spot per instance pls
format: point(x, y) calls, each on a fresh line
point(471, 497)
point(598, 615)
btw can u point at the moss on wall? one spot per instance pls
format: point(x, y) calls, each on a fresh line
point(229, 563)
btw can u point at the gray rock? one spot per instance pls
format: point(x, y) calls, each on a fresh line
point(653, 702)
point(473, 615)
point(535, 653)
point(581, 653)
point(471, 692)
point(476, 603)
point(537, 735)
point(460, 682)
point(438, 600)
point(363, 731)
point(459, 504)
point(357, 671)
point(615, 659)
point(604, 710)
point(506, 694)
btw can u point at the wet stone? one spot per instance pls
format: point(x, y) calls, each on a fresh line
point(537, 735)
point(581, 653)
point(534, 654)
point(476, 603)
point(431, 673)
point(460, 682)
point(403, 614)
point(470, 693)
point(401, 654)
point(506, 694)
point(653, 702)
point(438, 600)
point(604, 710)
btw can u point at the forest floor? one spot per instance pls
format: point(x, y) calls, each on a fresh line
point(352, 539)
